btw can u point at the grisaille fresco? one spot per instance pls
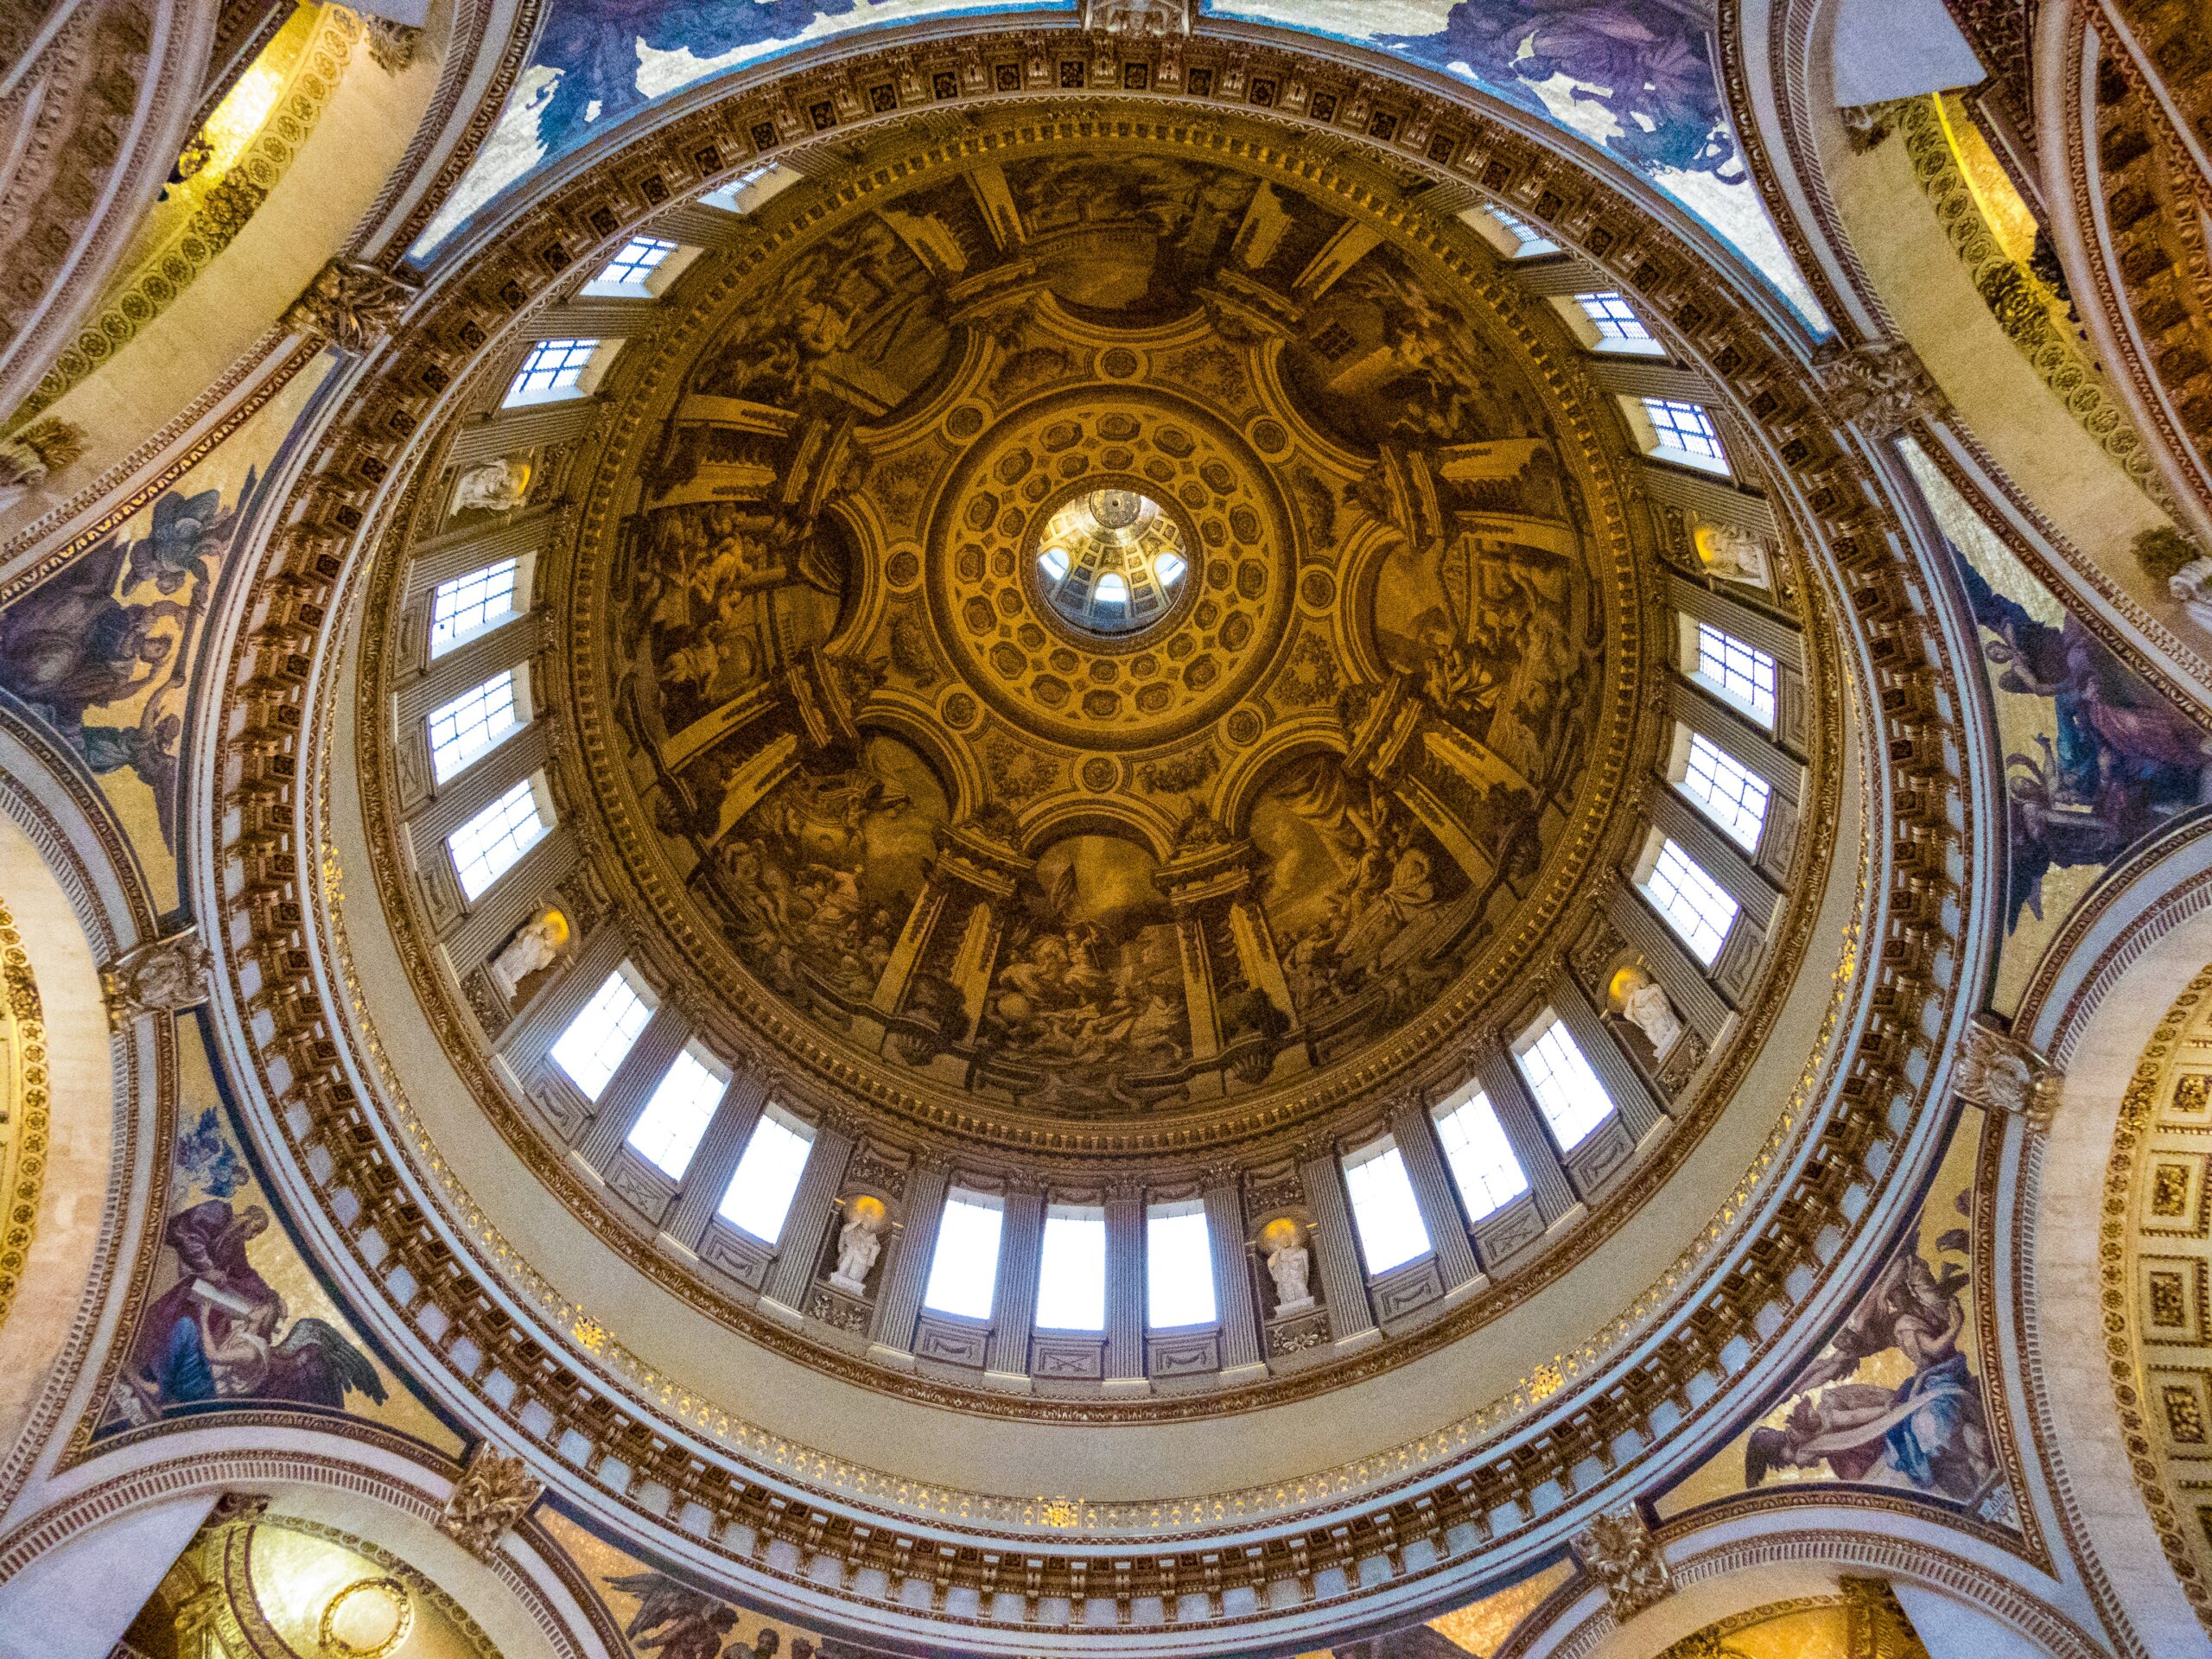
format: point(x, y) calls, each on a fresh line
point(856, 714)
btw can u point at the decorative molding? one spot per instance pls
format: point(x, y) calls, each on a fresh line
point(1879, 387)
point(1996, 1071)
point(1618, 1549)
point(350, 306)
point(494, 1492)
point(164, 975)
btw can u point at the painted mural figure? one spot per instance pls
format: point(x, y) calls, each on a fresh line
point(1365, 904)
point(2122, 759)
point(818, 876)
point(1647, 64)
point(1929, 1432)
point(1089, 996)
point(92, 638)
point(220, 1332)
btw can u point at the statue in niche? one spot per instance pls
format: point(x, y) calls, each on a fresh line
point(1734, 554)
point(858, 1242)
point(1638, 999)
point(538, 945)
point(498, 485)
point(1289, 1264)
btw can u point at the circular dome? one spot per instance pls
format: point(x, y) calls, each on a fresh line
point(1111, 561)
point(948, 896)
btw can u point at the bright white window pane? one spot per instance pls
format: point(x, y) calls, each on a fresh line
point(1113, 589)
point(964, 1272)
point(601, 1034)
point(1072, 1271)
point(1687, 430)
point(759, 1195)
point(1733, 795)
point(668, 1130)
point(1695, 905)
point(1568, 1091)
point(476, 603)
point(1178, 1266)
point(1384, 1211)
point(1616, 318)
point(486, 848)
point(552, 367)
point(472, 725)
point(636, 262)
point(1532, 241)
point(1054, 563)
point(1484, 1167)
point(1740, 674)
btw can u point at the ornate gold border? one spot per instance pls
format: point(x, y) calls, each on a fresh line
point(2115, 1274)
point(23, 1161)
point(136, 298)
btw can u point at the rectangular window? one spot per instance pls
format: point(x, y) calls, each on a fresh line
point(486, 848)
point(1568, 1091)
point(1740, 674)
point(667, 1132)
point(552, 369)
point(1178, 1266)
point(1619, 329)
point(1695, 905)
point(1484, 1167)
point(633, 265)
point(1529, 241)
point(1729, 794)
point(1384, 1211)
point(1072, 1271)
point(472, 725)
point(467, 606)
point(758, 1199)
point(1685, 433)
point(603, 1032)
point(964, 1271)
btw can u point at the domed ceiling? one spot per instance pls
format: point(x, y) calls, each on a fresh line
point(1106, 638)
point(1092, 653)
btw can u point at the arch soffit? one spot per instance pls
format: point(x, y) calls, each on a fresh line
point(526, 1594)
point(1740, 1555)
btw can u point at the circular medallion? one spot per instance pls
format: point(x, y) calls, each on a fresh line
point(1110, 609)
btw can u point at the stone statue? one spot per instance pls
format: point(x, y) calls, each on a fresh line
point(1289, 1264)
point(1644, 1006)
point(494, 1492)
point(27, 459)
point(858, 1242)
point(2191, 588)
point(537, 945)
point(495, 486)
point(1734, 554)
point(349, 305)
point(163, 975)
point(1616, 1548)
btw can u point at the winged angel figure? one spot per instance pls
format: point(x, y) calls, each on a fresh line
point(674, 1621)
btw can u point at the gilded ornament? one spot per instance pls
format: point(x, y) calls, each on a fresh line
point(494, 1492)
point(1616, 1548)
point(350, 306)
